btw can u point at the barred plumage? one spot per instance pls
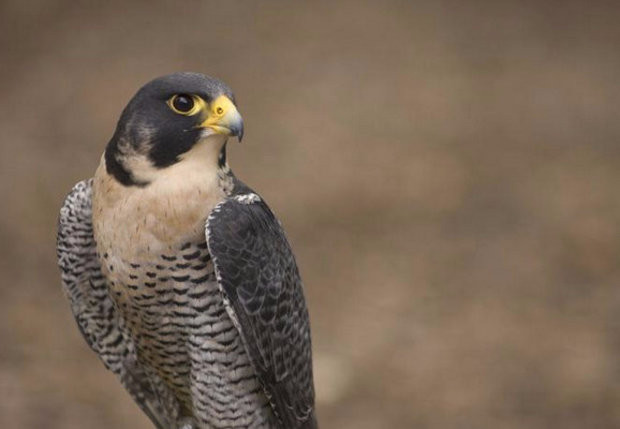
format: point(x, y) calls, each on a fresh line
point(94, 309)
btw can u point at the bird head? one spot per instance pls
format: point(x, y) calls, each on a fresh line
point(165, 120)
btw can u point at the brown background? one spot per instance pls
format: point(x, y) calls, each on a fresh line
point(447, 172)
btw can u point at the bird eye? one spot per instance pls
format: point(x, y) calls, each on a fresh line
point(183, 104)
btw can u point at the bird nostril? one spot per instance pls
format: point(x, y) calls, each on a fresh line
point(219, 110)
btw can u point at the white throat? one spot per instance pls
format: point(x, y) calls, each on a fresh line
point(172, 207)
point(201, 158)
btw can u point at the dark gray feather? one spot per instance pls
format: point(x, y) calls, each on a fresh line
point(258, 274)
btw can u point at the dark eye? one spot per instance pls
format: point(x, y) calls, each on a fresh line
point(183, 103)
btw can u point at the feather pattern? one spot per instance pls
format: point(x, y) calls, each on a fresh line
point(175, 369)
point(95, 312)
point(258, 275)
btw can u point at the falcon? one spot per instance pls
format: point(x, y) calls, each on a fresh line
point(180, 277)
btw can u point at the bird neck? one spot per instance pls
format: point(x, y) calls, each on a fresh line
point(131, 166)
point(226, 178)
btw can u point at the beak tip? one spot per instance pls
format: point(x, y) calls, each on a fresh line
point(237, 131)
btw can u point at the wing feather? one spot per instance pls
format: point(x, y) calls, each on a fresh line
point(93, 309)
point(258, 275)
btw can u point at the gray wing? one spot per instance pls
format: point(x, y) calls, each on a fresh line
point(93, 309)
point(263, 292)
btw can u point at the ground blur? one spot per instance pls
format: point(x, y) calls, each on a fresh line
point(447, 173)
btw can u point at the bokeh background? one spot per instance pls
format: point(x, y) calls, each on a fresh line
point(448, 173)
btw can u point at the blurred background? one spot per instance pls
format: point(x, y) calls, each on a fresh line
point(448, 173)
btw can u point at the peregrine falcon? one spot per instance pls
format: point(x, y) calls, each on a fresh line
point(179, 275)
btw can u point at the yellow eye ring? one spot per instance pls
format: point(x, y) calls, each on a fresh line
point(185, 104)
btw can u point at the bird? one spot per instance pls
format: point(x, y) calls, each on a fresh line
point(180, 277)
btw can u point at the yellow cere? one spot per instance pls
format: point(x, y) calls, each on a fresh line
point(221, 105)
point(218, 116)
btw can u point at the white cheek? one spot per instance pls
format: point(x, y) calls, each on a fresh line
point(141, 168)
point(200, 159)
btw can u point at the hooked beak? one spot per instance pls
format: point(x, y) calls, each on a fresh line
point(224, 118)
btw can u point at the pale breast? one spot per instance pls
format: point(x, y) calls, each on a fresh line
point(135, 223)
point(151, 244)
